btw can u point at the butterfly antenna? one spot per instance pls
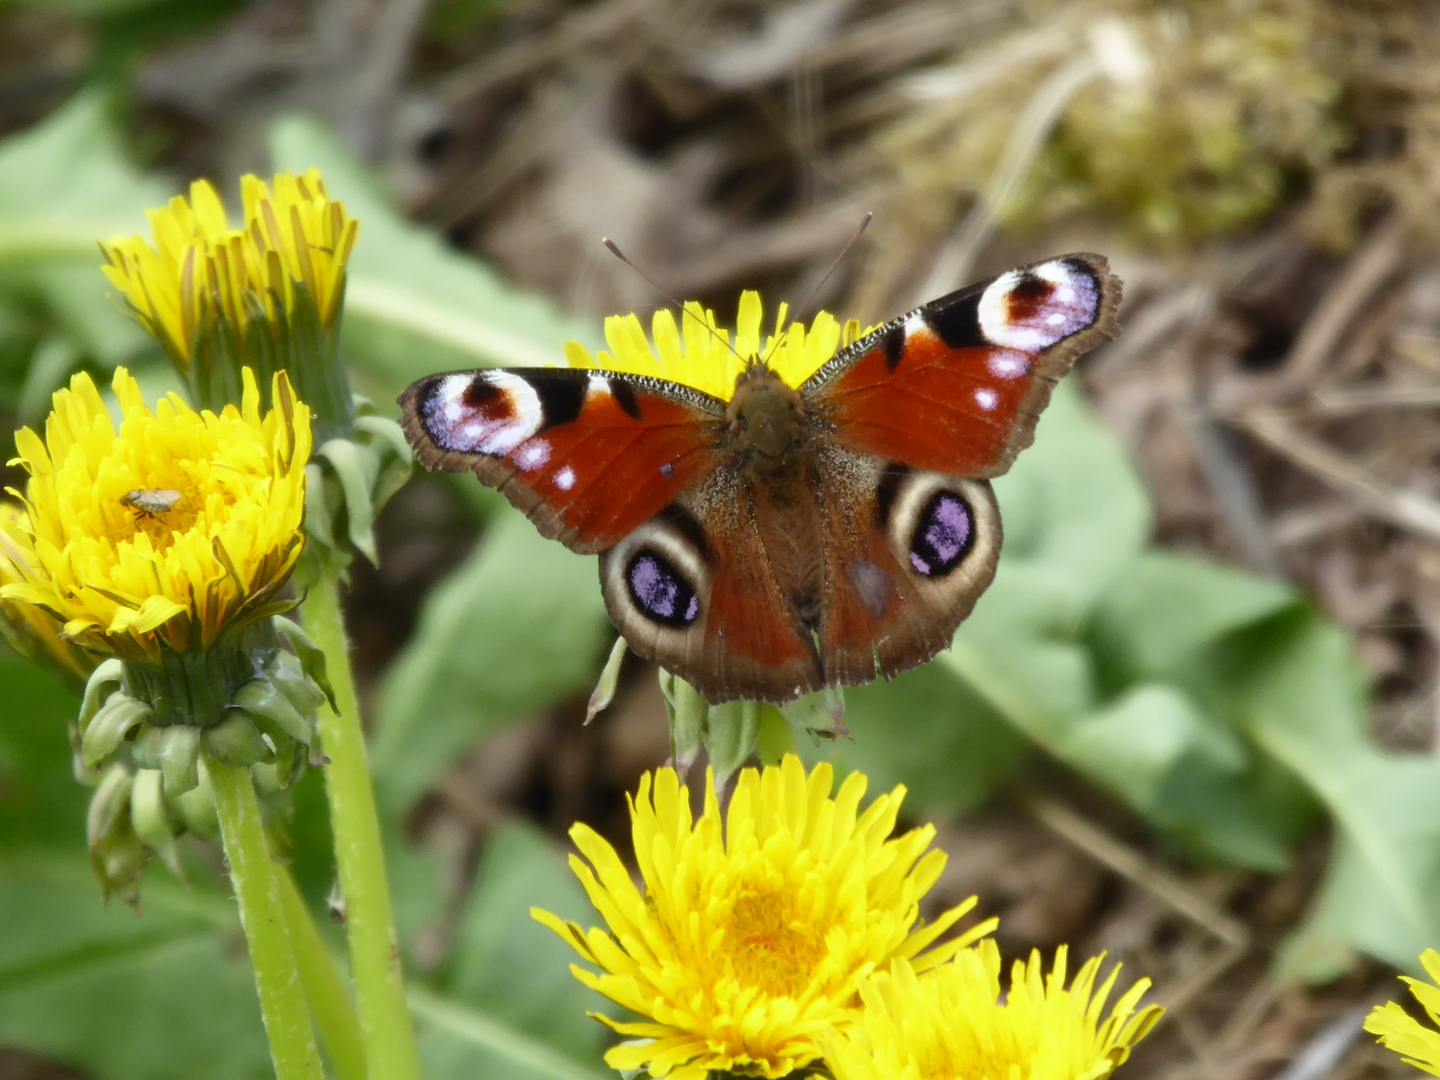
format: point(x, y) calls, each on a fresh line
point(869, 215)
point(615, 250)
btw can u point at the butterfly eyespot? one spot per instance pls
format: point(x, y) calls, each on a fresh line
point(944, 534)
point(659, 590)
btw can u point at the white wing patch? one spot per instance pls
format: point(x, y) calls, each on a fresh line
point(1031, 310)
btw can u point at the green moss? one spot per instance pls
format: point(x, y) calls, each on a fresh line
point(1238, 107)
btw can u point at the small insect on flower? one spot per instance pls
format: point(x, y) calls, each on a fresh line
point(151, 502)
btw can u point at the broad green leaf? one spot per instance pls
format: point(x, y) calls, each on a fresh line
point(118, 995)
point(1307, 709)
point(1073, 502)
point(414, 306)
point(454, 1037)
point(40, 802)
point(64, 185)
point(497, 937)
point(1020, 651)
point(517, 628)
point(1135, 743)
point(931, 732)
point(1166, 607)
point(1166, 751)
point(1186, 772)
point(111, 993)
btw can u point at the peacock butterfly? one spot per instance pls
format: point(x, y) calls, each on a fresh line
point(787, 538)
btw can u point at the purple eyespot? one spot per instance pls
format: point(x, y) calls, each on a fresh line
point(660, 591)
point(944, 534)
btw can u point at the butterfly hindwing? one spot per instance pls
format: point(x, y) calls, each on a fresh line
point(957, 385)
point(749, 605)
point(703, 600)
point(907, 554)
point(588, 455)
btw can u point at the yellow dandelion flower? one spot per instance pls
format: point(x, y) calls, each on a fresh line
point(953, 1021)
point(699, 353)
point(31, 631)
point(1399, 1031)
point(293, 242)
point(749, 940)
point(165, 532)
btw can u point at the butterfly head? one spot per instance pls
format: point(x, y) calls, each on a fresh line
point(765, 418)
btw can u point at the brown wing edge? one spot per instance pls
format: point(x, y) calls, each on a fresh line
point(1056, 361)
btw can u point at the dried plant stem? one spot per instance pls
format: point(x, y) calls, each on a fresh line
point(1408, 508)
point(359, 856)
point(277, 978)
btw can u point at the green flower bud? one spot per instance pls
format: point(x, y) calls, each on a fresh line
point(272, 711)
point(687, 711)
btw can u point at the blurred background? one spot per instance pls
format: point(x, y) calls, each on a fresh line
point(1195, 721)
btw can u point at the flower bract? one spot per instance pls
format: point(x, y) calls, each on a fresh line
point(752, 932)
point(699, 353)
point(165, 531)
point(956, 1021)
point(293, 240)
point(1418, 1043)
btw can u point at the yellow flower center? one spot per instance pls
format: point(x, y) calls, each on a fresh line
point(770, 945)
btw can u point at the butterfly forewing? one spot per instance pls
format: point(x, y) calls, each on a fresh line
point(957, 385)
point(589, 456)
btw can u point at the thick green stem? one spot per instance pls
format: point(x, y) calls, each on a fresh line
point(252, 873)
point(325, 987)
point(359, 857)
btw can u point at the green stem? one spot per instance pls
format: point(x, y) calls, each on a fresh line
point(360, 859)
point(325, 987)
point(252, 873)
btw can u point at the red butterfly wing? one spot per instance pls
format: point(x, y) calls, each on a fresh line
point(957, 385)
point(588, 455)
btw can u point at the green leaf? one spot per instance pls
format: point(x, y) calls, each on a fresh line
point(40, 802)
point(932, 732)
point(1165, 608)
point(517, 628)
point(118, 995)
point(64, 185)
point(453, 1038)
point(1073, 503)
point(97, 987)
point(1382, 893)
point(1188, 774)
point(414, 306)
point(1167, 749)
point(497, 938)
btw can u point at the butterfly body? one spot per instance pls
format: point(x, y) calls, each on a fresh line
point(787, 538)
